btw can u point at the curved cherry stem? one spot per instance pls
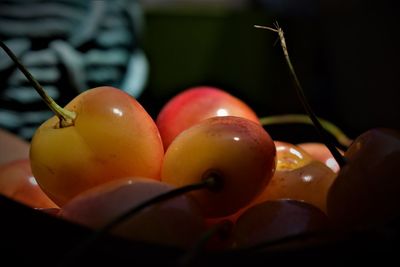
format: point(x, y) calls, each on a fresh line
point(300, 93)
point(210, 183)
point(340, 136)
point(66, 117)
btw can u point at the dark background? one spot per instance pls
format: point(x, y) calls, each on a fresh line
point(345, 54)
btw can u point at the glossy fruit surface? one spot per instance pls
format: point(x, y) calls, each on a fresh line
point(367, 189)
point(173, 222)
point(298, 177)
point(290, 156)
point(239, 152)
point(276, 219)
point(196, 104)
point(112, 137)
point(18, 183)
point(12, 147)
point(321, 153)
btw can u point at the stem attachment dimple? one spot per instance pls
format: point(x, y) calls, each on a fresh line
point(66, 117)
point(300, 93)
point(214, 180)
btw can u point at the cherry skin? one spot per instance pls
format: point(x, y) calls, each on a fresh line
point(175, 222)
point(18, 183)
point(111, 137)
point(196, 104)
point(236, 151)
point(321, 153)
point(272, 220)
point(12, 147)
point(298, 177)
point(367, 189)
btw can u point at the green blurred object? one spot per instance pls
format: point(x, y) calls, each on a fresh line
point(188, 47)
point(349, 76)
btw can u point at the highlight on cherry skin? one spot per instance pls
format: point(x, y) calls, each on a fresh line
point(18, 183)
point(175, 222)
point(298, 176)
point(196, 104)
point(111, 137)
point(366, 192)
point(237, 152)
point(276, 219)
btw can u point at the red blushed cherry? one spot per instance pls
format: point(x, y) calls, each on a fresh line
point(174, 222)
point(237, 152)
point(196, 104)
point(366, 191)
point(18, 183)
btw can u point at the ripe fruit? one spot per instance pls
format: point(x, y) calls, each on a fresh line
point(175, 222)
point(272, 220)
point(298, 177)
point(111, 137)
point(12, 147)
point(101, 135)
point(236, 151)
point(367, 189)
point(321, 153)
point(196, 104)
point(18, 183)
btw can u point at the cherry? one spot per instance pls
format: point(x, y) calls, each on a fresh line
point(298, 177)
point(101, 135)
point(366, 191)
point(196, 104)
point(12, 147)
point(321, 153)
point(238, 152)
point(175, 222)
point(277, 219)
point(18, 183)
point(112, 137)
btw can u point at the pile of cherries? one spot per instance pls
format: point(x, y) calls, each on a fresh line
point(102, 156)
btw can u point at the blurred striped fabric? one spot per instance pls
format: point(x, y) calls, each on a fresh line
point(68, 46)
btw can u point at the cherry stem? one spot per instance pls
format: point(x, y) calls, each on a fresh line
point(189, 257)
point(210, 183)
point(301, 118)
point(300, 93)
point(66, 117)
